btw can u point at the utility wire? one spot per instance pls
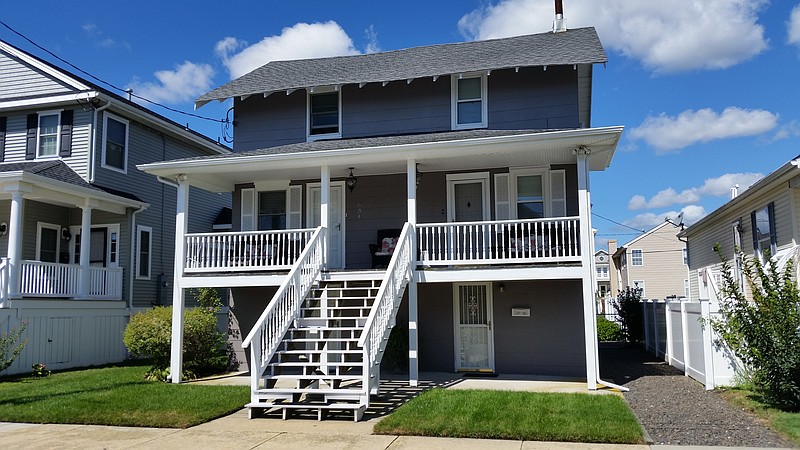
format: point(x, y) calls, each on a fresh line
point(620, 224)
point(197, 116)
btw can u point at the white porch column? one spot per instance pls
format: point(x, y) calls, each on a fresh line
point(589, 317)
point(15, 243)
point(411, 177)
point(413, 339)
point(178, 294)
point(85, 250)
point(324, 215)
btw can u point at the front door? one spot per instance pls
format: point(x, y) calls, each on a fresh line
point(468, 201)
point(474, 346)
point(336, 223)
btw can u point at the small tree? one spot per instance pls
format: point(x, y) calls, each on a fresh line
point(629, 310)
point(11, 345)
point(764, 333)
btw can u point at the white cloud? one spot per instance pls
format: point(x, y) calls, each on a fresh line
point(300, 41)
point(667, 133)
point(666, 35)
point(794, 26)
point(186, 82)
point(787, 130)
point(371, 36)
point(715, 187)
point(646, 221)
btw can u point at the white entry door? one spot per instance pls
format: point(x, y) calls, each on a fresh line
point(335, 221)
point(473, 327)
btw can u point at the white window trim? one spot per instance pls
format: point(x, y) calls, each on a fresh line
point(457, 178)
point(633, 260)
point(454, 102)
point(57, 113)
point(139, 230)
point(51, 226)
point(322, 90)
point(513, 196)
point(127, 135)
point(75, 230)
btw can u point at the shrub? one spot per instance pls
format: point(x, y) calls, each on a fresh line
point(608, 330)
point(148, 334)
point(629, 310)
point(764, 333)
point(11, 345)
point(396, 353)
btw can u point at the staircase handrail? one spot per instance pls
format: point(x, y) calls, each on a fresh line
point(285, 305)
point(398, 273)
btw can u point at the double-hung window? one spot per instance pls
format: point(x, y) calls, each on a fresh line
point(144, 241)
point(469, 102)
point(637, 257)
point(48, 135)
point(532, 194)
point(764, 234)
point(324, 115)
point(115, 143)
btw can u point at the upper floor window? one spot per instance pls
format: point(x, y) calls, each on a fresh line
point(48, 135)
point(324, 117)
point(764, 234)
point(115, 143)
point(637, 257)
point(469, 102)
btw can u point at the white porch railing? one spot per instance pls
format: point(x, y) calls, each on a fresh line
point(375, 334)
point(44, 279)
point(267, 333)
point(492, 242)
point(245, 250)
point(3, 282)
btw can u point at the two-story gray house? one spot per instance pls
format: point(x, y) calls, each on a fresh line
point(443, 189)
point(86, 237)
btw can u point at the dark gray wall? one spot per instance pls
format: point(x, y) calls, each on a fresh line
point(245, 307)
point(529, 99)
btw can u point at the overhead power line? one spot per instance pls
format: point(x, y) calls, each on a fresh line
point(111, 85)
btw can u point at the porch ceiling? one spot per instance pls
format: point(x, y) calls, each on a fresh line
point(515, 150)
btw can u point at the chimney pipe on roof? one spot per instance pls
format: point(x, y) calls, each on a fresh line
point(560, 24)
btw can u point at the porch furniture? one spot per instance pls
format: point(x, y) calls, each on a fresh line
point(382, 251)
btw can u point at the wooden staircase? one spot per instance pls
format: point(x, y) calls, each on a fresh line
point(318, 365)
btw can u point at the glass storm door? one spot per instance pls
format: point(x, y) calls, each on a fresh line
point(473, 317)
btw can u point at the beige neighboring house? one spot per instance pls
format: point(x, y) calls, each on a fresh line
point(602, 264)
point(654, 262)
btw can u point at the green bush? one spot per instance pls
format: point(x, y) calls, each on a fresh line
point(764, 333)
point(608, 330)
point(629, 309)
point(148, 334)
point(11, 345)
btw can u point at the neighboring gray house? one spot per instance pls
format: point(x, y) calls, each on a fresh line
point(462, 167)
point(602, 264)
point(68, 156)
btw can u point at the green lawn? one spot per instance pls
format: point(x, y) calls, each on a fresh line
point(114, 396)
point(785, 423)
point(515, 415)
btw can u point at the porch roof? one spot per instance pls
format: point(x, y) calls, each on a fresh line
point(55, 182)
point(434, 152)
point(575, 46)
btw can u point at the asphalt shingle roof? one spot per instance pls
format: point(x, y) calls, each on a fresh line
point(60, 171)
point(577, 46)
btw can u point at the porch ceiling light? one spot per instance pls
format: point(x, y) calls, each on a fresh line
point(351, 180)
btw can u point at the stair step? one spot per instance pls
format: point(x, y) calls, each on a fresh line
point(318, 351)
point(325, 328)
point(316, 364)
point(309, 405)
point(355, 377)
point(288, 391)
point(300, 340)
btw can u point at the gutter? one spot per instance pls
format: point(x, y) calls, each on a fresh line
point(131, 272)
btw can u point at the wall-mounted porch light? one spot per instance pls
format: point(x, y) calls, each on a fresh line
point(419, 175)
point(351, 180)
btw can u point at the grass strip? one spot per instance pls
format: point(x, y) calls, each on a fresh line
point(115, 396)
point(785, 423)
point(529, 416)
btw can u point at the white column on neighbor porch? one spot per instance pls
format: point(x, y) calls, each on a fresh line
point(178, 294)
point(413, 317)
point(589, 318)
point(14, 243)
point(85, 250)
point(324, 215)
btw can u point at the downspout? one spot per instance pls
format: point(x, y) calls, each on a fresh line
point(93, 141)
point(131, 272)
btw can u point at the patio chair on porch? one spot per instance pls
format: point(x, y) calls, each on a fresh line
point(381, 252)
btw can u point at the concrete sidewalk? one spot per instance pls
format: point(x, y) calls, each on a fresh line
point(237, 432)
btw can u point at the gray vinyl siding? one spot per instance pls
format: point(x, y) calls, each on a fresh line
point(18, 80)
point(532, 98)
point(35, 212)
point(549, 342)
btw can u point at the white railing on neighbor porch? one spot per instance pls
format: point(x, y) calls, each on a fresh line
point(375, 334)
point(511, 241)
point(267, 333)
point(44, 279)
point(245, 250)
point(3, 282)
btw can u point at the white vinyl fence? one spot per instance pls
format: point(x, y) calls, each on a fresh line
point(679, 331)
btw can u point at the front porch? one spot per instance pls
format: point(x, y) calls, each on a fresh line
point(59, 281)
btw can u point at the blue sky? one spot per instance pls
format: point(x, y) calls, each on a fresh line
point(708, 91)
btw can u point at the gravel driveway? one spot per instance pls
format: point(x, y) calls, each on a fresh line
point(677, 410)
